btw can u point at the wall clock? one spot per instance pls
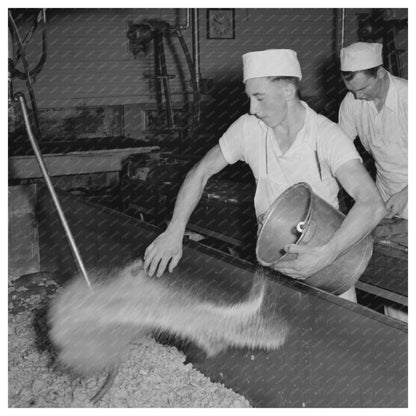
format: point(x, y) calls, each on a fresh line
point(220, 24)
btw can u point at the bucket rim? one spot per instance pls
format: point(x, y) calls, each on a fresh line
point(269, 212)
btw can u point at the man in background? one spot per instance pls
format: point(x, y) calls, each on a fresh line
point(375, 109)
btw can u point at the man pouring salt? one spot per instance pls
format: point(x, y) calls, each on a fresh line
point(281, 139)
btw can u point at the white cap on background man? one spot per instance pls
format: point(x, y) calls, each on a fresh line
point(271, 63)
point(360, 56)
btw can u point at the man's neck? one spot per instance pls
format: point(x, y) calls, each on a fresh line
point(287, 131)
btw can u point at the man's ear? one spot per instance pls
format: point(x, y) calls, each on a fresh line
point(290, 91)
point(381, 72)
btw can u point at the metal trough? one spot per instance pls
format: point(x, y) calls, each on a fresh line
point(338, 354)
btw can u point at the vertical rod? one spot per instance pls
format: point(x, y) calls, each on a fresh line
point(195, 43)
point(165, 80)
point(342, 27)
point(38, 154)
point(195, 92)
point(158, 73)
point(188, 21)
point(195, 53)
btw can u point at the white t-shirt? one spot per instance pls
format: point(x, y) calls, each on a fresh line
point(319, 149)
point(383, 134)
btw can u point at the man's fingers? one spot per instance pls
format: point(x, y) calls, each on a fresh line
point(148, 258)
point(162, 266)
point(294, 248)
point(148, 249)
point(153, 266)
point(298, 277)
point(173, 263)
point(292, 273)
point(286, 265)
point(289, 268)
point(160, 252)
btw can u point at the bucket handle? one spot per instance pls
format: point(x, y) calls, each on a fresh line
point(307, 234)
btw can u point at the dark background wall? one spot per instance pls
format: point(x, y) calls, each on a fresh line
point(93, 86)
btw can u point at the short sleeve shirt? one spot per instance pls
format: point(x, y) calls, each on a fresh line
point(319, 149)
point(383, 134)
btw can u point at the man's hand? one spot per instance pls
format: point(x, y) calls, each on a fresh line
point(167, 247)
point(396, 203)
point(309, 261)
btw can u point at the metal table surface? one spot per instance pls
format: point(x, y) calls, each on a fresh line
point(386, 275)
point(337, 354)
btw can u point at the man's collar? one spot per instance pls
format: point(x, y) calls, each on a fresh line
point(391, 98)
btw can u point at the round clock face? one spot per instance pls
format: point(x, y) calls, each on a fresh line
point(221, 24)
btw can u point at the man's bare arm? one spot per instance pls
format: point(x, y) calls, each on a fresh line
point(363, 217)
point(167, 247)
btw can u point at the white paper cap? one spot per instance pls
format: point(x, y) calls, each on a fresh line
point(360, 56)
point(271, 63)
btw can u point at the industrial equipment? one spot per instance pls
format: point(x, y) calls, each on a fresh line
point(29, 74)
point(140, 35)
point(378, 26)
point(337, 354)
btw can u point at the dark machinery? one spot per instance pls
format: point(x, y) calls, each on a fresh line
point(378, 27)
point(28, 74)
point(225, 216)
point(140, 35)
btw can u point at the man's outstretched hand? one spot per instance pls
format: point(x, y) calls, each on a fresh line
point(165, 249)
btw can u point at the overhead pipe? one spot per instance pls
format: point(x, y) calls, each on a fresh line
point(193, 62)
point(195, 91)
point(188, 21)
point(163, 75)
point(342, 27)
point(195, 53)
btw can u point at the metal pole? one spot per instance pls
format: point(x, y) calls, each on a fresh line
point(20, 97)
point(165, 78)
point(188, 21)
point(195, 50)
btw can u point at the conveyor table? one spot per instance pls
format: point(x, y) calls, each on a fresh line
point(338, 354)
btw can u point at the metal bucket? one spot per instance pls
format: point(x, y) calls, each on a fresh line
point(298, 216)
